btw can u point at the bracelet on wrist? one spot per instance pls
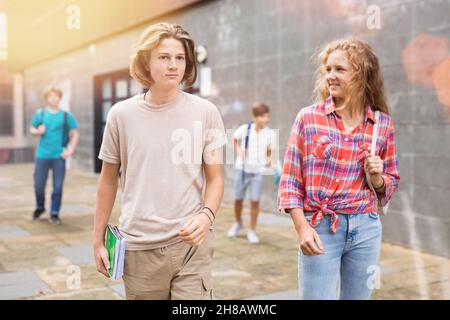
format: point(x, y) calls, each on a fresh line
point(210, 210)
point(206, 214)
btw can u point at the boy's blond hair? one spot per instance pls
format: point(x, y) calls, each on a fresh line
point(51, 89)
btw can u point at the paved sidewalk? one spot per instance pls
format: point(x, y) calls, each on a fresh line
point(41, 261)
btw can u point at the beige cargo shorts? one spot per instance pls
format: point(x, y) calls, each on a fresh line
point(175, 272)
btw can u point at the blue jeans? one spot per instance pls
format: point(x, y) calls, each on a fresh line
point(42, 166)
point(243, 180)
point(350, 257)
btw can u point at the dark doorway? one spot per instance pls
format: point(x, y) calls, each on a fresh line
point(109, 89)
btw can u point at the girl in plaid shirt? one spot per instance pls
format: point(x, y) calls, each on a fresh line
point(323, 184)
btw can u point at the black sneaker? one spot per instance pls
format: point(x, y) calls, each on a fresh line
point(37, 213)
point(55, 220)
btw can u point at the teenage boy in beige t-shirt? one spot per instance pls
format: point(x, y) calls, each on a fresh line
point(166, 143)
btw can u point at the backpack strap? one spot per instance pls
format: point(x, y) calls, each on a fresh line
point(246, 142)
point(378, 206)
point(65, 137)
point(375, 133)
point(247, 137)
point(42, 112)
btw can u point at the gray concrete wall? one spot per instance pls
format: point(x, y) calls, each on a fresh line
point(261, 50)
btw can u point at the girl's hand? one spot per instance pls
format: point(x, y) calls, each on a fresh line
point(374, 166)
point(309, 240)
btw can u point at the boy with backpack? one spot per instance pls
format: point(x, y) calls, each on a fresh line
point(59, 136)
point(253, 143)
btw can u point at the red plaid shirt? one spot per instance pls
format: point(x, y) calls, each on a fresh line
point(323, 167)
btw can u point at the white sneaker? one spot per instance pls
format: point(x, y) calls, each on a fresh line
point(252, 237)
point(234, 230)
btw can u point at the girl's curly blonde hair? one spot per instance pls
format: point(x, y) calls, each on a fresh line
point(366, 85)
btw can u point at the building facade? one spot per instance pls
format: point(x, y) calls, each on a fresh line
point(261, 50)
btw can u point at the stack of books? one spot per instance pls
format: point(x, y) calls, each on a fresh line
point(115, 244)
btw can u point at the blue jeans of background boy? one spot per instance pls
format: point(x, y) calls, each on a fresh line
point(42, 167)
point(350, 258)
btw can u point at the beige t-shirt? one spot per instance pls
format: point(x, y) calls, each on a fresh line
point(160, 149)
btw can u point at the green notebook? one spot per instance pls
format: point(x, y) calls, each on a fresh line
point(115, 244)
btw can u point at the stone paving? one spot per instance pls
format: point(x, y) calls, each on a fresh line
point(42, 261)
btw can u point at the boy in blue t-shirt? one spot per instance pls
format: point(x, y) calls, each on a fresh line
point(58, 140)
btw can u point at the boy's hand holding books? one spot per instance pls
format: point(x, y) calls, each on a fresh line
point(101, 259)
